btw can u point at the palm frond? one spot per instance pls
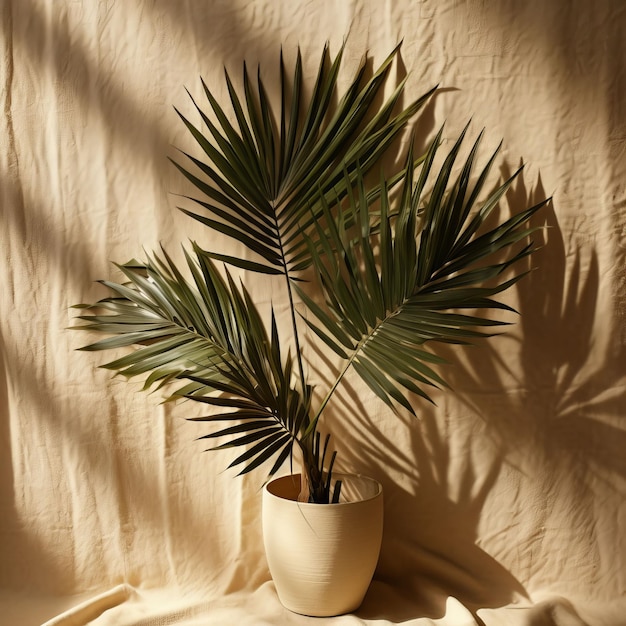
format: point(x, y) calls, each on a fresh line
point(206, 334)
point(261, 176)
point(387, 294)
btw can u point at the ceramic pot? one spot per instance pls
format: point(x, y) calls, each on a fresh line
point(322, 556)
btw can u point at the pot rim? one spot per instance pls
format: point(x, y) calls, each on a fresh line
point(377, 484)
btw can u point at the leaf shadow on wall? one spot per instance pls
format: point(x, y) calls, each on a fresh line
point(568, 400)
point(432, 510)
point(558, 411)
point(432, 513)
point(553, 403)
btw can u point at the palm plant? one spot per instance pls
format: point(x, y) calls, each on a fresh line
point(381, 270)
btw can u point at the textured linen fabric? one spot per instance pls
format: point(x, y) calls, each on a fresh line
point(504, 504)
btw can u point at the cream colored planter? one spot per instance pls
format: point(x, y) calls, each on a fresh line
point(322, 556)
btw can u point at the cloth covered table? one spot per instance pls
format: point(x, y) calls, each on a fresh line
point(505, 504)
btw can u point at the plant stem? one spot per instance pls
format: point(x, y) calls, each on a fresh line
point(292, 308)
point(296, 338)
point(331, 391)
point(349, 362)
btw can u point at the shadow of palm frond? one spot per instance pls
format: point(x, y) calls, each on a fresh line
point(560, 387)
point(435, 494)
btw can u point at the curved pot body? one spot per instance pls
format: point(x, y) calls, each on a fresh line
point(322, 556)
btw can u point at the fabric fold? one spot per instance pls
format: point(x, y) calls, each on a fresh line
point(91, 609)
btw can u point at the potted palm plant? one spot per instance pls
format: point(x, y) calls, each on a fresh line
point(377, 271)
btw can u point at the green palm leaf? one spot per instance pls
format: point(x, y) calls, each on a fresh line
point(388, 293)
point(263, 174)
point(206, 334)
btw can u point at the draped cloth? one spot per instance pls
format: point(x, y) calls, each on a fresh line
point(504, 502)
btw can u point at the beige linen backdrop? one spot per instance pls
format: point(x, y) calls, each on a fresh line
point(505, 503)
